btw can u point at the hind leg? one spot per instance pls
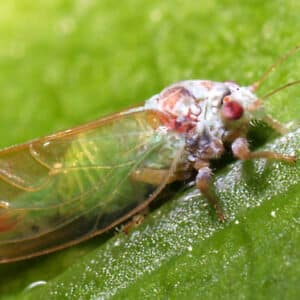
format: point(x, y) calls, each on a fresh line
point(157, 176)
point(154, 177)
point(136, 220)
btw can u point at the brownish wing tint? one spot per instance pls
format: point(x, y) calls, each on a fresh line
point(68, 187)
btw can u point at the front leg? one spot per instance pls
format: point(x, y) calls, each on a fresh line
point(240, 149)
point(276, 125)
point(204, 184)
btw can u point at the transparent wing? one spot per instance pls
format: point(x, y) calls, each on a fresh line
point(59, 190)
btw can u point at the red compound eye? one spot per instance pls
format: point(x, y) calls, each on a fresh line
point(232, 110)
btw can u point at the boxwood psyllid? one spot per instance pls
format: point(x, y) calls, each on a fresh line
point(65, 188)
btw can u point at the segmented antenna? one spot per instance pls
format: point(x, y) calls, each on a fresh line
point(283, 58)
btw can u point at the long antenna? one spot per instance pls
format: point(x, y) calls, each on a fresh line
point(283, 87)
point(281, 59)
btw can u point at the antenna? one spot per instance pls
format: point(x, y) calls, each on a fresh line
point(281, 59)
point(283, 87)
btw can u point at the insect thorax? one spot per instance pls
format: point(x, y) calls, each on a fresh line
point(194, 109)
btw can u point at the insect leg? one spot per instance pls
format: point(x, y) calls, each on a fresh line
point(156, 176)
point(204, 184)
point(240, 149)
point(276, 125)
point(135, 221)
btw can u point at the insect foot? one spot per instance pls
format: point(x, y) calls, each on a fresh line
point(136, 221)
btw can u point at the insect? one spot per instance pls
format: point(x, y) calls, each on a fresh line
point(65, 188)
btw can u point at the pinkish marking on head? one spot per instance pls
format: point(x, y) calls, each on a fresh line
point(182, 107)
point(170, 97)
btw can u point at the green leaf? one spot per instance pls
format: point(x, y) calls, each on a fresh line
point(181, 251)
point(67, 62)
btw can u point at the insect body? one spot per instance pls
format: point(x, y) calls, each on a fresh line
point(209, 115)
point(65, 188)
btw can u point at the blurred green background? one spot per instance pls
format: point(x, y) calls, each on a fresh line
point(63, 63)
